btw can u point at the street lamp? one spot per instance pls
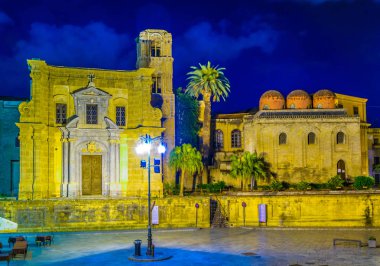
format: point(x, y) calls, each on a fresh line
point(144, 146)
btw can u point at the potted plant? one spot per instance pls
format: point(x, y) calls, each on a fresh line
point(371, 242)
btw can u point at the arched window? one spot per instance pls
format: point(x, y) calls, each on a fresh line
point(341, 169)
point(218, 142)
point(155, 49)
point(311, 138)
point(340, 138)
point(236, 138)
point(266, 107)
point(292, 106)
point(282, 139)
point(319, 106)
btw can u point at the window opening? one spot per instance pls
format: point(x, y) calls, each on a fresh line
point(120, 115)
point(236, 138)
point(91, 113)
point(60, 114)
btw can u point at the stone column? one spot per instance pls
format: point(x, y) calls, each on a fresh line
point(111, 176)
point(65, 168)
point(73, 179)
point(115, 187)
point(26, 162)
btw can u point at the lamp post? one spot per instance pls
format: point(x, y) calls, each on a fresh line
point(144, 146)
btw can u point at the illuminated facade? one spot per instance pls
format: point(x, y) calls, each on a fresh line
point(304, 137)
point(79, 130)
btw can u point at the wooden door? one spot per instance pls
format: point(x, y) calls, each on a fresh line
point(341, 167)
point(91, 174)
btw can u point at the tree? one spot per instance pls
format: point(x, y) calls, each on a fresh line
point(187, 113)
point(186, 159)
point(250, 165)
point(210, 82)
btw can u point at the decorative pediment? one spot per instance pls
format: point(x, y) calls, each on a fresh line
point(90, 91)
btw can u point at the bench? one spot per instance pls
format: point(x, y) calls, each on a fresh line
point(43, 240)
point(12, 240)
point(20, 247)
point(5, 257)
point(337, 240)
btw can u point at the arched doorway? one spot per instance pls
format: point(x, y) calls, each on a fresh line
point(341, 169)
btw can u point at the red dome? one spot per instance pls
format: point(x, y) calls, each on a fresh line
point(324, 99)
point(272, 100)
point(298, 99)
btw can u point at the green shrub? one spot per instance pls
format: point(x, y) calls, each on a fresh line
point(171, 189)
point(335, 182)
point(213, 187)
point(263, 187)
point(302, 185)
point(285, 185)
point(276, 185)
point(318, 185)
point(363, 181)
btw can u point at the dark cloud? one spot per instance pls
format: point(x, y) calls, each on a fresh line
point(204, 41)
point(4, 18)
point(93, 45)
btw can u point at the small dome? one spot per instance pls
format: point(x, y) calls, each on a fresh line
point(272, 100)
point(324, 99)
point(298, 99)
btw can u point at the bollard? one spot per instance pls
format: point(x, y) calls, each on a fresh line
point(137, 247)
point(152, 250)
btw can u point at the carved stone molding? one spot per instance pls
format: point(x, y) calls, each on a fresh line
point(92, 147)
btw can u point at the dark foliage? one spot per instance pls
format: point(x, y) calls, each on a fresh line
point(186, 120)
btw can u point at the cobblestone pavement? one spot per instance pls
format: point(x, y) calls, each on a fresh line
point(225, 246)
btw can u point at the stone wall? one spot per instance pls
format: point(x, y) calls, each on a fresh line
point(303, 209)
point(103, 214)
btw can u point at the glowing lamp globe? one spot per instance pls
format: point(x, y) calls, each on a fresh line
point(146, 147)
point(161, 148)
point(140, 149)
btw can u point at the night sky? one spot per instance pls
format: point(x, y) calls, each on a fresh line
point(263, 44)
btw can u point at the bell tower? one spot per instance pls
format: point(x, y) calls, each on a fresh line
point(154, 50)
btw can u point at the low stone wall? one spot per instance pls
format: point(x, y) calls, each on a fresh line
point(309, 209)
point(104, 214)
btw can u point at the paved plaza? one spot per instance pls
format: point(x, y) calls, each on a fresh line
point(224, 246)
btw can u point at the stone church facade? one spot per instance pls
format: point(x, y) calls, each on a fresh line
point(79, 130)
point(304, 137)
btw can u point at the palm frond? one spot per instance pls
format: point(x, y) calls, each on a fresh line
point(208, 79)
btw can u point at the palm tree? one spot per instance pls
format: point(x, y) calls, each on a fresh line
point(210, 82)
point(187, 159)
point(250, 165)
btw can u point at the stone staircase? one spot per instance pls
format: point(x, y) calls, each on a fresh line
point(220, 218)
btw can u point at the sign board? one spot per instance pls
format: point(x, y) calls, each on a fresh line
point(155, 215)
point(262, 213)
